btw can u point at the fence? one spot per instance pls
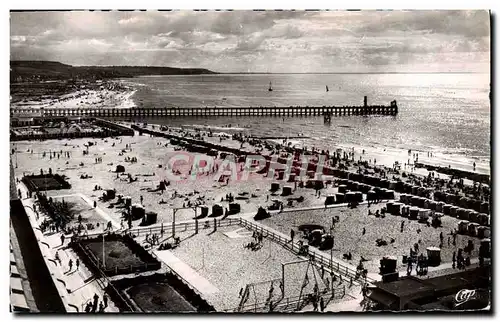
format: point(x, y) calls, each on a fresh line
point(295, 248)
point(292, 303)
point(179, 227)
point(150, 263)
point(94, 263)
point(284, 304)
point(277, 238)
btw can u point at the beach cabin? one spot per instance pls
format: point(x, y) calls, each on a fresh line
point(433, 256)
point(463, 227)
point(423, 215)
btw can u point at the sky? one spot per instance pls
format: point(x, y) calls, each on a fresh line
point(259, 41)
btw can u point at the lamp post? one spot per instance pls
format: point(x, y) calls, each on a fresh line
point(103, 252)
point(173, 223)
point(333, 242)
point(15, 152)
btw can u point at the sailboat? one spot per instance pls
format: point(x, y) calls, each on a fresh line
point(270, 87)
point(327, 88)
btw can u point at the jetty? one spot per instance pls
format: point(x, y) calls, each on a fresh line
point(365, 109)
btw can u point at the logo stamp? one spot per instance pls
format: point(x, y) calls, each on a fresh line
point(464, 295)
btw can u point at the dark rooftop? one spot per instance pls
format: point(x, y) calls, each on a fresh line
point(408, 285)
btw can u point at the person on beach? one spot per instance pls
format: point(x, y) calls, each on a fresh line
point(409, 269)
point(57, 257)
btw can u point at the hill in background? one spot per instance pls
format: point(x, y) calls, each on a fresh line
point(48, 70)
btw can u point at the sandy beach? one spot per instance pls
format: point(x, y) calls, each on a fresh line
point(96, 95)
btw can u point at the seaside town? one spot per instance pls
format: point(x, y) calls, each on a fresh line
point(113, 209)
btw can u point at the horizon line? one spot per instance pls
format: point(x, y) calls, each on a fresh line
point(269, 73)
point(367, 72)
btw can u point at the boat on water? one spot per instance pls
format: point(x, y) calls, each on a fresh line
point(270, 87)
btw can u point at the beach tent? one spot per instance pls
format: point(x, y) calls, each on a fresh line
point(472, 229)
point(485, 207)
point(463, 227)
point(234, 208)
point(423, 214)
point(339, 198)
point(350, 196)
point(483, 219)
point(396, 208)
point(463, 214)
point(287, 190)
point(434, 256)
point(274, 187)
point(138, 211)
point(483, 232)
point(486, 246)
point(330, 200)
point(439, 206)
point(261, 214)
point(149, 219)
point(217, 211)
point(414, 212)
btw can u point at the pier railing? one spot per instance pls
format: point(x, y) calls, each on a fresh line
point(391, 109)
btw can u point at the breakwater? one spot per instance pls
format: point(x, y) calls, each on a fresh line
point(483, 178)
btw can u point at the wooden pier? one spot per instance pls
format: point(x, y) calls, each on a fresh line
point(207, 111)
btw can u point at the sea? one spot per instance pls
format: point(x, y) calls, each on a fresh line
point(446, 114)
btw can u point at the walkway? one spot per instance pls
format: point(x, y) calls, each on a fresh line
point(75, 287)
point(186, 272)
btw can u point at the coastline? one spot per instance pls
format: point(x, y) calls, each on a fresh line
point(386, 156)
point(97, 94)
